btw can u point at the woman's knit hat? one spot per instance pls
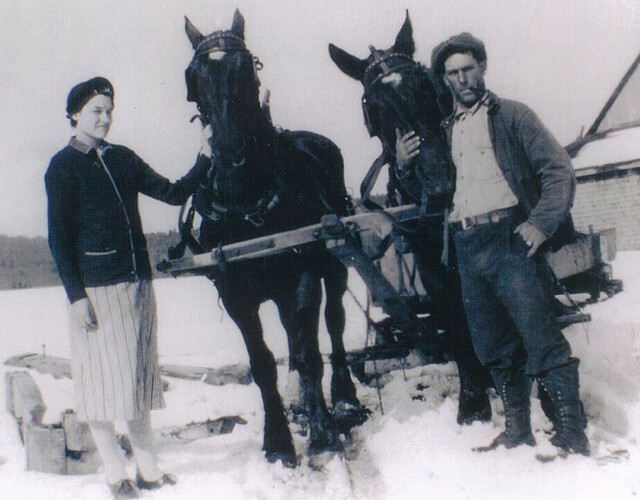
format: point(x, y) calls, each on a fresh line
point(81, 93)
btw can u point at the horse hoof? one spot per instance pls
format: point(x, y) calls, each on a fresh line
point(329, 441)
point(290, 461)
point(347, 416)
point(345, 400)
point(299, 422)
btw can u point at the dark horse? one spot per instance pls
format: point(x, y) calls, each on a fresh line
point(400, 95)
point(262, 181)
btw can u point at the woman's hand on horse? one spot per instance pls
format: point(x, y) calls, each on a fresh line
point(83, 315)
point(407, 148)
point(205, 144)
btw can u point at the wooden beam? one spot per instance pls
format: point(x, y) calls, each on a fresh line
point(288, 240)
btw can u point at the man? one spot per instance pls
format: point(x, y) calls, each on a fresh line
point(96, 238)
point(514, 189)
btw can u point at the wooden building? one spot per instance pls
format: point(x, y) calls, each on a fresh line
point(607, 164)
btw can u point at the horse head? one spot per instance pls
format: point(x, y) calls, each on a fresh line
point(401, 94)
point(222, 80)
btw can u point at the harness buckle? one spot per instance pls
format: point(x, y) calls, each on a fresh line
point(254, 218)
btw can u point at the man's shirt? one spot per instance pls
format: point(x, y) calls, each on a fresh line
point(480, 185)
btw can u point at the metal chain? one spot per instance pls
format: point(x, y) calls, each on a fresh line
point(370, 329)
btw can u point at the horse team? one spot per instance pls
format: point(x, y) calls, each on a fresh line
point(263, 180)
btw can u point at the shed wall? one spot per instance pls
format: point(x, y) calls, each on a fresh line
point(610, 200)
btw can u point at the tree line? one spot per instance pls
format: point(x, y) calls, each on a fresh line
point(27, 262)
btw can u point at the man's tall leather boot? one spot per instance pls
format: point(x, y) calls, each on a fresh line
point(563, 387)
point(515, 389)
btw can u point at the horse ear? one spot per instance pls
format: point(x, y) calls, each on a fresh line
point(404, 41)
point(195, 37)
point(238, 24)
point(348, 64)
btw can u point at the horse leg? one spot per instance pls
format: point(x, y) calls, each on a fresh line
point(473, 402)
point(343, 390)
point(299, 311)
point(293, 389)
point(443, 286)
point(278, 443)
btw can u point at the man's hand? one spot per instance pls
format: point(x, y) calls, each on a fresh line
point(205, 145)
point(83, 315)
point(407, 148)
point(531, 235)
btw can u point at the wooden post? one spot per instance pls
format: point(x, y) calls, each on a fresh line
point(45, 450)
point(80, 449)
point(24, 400)
point(229, 374)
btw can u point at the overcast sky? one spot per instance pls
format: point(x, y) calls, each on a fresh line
point(562, 58)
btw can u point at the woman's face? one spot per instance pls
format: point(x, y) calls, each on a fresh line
point(93, 121)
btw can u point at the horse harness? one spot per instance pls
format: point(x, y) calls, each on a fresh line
point(214, 210)
point(224, 41)
point(384, 65)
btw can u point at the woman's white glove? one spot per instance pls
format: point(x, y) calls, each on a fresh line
point(83, 315)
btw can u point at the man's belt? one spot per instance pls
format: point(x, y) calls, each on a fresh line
point(478, 220)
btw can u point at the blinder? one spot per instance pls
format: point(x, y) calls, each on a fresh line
point(371, 118)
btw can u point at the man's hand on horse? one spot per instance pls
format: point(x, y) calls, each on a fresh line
point(83, 315)
point(531, 235)
point(407, 148)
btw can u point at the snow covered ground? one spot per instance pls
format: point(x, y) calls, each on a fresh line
point(412, 450)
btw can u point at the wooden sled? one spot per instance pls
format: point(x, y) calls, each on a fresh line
point(370, 243)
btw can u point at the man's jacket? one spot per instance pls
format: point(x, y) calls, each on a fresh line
point(534, 164)
point(95, 232)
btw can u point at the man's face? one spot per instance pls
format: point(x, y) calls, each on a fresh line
point(465, 77)
point(94, 119)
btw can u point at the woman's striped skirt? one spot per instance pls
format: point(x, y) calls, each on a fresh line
point(115, 369)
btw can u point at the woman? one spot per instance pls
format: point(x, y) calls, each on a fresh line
point(97, 241)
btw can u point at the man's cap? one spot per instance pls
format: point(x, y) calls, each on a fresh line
point(457, 44)
point(81, 93)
